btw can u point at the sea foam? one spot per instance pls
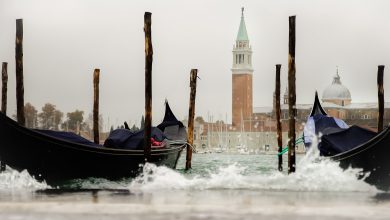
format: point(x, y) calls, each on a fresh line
point(313, 173)
point(13, 180)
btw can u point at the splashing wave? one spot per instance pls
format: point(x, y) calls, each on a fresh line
point(313, 174)
point(12, 179)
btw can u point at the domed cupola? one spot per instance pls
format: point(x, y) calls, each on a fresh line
point(337, 93)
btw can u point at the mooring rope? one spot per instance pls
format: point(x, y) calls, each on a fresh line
point(183, 142)
point(298, 141)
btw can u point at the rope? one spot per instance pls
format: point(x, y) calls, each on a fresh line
point(285, 150)
point(193, 148)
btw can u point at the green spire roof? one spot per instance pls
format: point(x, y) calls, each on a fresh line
point(242, 34)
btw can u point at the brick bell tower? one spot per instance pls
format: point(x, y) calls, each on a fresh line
point(242, 71)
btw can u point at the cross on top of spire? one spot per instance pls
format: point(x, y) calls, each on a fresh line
point(336, 78)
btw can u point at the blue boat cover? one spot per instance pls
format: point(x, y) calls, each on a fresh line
point(170, 128)
point(119, 138)
point(334, 134)
point(68, 136)
point(125, 139)
point(319, 125)
point(345, 140)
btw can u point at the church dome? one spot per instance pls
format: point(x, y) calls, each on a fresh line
point(336, 91)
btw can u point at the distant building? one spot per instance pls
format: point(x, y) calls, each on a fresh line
point(242, 103)
point(337, 93)
point(337, 102)
point(253, 128)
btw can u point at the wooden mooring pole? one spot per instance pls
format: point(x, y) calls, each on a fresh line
point(4, 80)
point(291, 95)
point(19, 72)
point(96, 77)
point(381, 99)
point(191, 116)
point(278, 120)
point(148, 84)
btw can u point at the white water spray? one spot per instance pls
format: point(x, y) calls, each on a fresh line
point(313, 173)
point(13, 180)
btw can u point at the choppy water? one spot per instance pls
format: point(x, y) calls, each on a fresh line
point(218, 187)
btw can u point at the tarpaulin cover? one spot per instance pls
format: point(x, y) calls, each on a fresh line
point(345, 140)
point(319, 125)
point(68, 136)
point(170, 128)
point(125, 139)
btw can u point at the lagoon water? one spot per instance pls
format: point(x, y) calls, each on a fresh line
point(219, 186)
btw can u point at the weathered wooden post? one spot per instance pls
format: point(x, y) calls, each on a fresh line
point(291, 95)
point(278, 113)
point(148, 84)
point(191, 116)
point(96, 76)
point(381, 99)
point(4, 80)
point(19, 72)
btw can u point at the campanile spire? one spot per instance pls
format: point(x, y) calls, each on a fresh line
point(242, 77)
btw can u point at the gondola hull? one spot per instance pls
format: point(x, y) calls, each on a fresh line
point(52, 159)
point(372, 157)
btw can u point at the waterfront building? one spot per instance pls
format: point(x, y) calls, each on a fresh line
point(253, 129)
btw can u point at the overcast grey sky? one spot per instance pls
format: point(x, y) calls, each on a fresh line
point(65, 40)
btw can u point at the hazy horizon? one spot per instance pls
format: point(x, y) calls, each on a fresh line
point(64, 41)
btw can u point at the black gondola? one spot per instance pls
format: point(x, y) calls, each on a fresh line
point(55, 159)
point(372, 156)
